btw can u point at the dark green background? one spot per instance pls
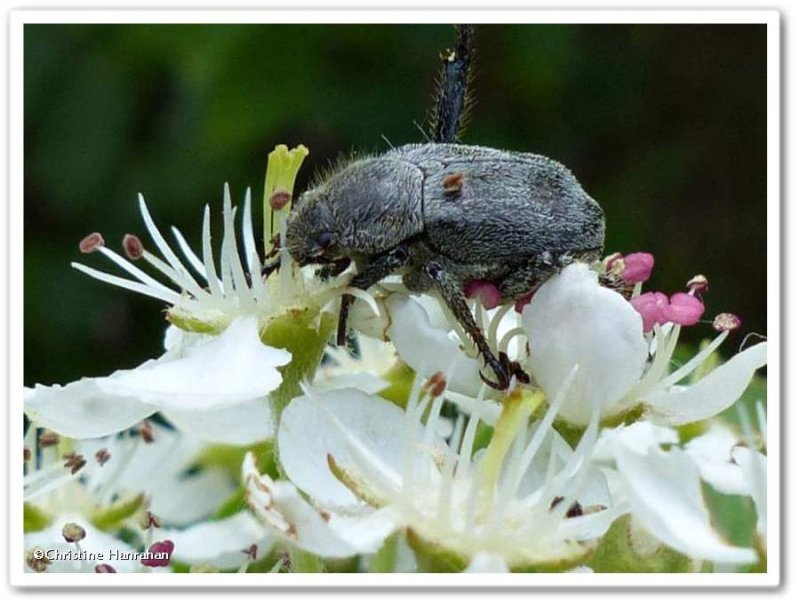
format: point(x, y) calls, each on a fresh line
point(664, 125)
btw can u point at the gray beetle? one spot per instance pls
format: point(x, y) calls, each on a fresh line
point(447, 217)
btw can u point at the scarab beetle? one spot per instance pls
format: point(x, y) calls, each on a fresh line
point(448, 218)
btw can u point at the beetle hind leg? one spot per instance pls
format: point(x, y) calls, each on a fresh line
point(503, 368)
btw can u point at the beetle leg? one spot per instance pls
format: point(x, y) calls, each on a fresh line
point(269, 267)
point(368, 275)
point(501, 366)
point(275, 246)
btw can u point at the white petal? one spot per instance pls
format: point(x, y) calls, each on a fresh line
point(280, 507)
point(362, 381)
point(487, 562)
point(573, 320)
point(96, 541)
point(711, 395)
point(82, 410)
point(192, 498)
point(219, 543)
point(665, 495)
point(579, 570)
point(428, 349)
point(231, 368)
point(638, 437)
point(241, 424)
point(712, 453)
point(311, 532)
point(754, 469)
point(352, 427)
point(160, 470)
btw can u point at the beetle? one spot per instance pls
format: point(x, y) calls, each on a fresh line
point(449, 218)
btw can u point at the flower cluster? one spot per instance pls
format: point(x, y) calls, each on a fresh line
point(254, 445)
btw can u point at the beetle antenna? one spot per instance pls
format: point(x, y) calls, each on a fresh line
point(453, 102)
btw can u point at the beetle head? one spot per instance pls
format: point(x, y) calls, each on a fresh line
point(310, 231)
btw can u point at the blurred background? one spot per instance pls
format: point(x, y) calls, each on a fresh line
point(665, 125)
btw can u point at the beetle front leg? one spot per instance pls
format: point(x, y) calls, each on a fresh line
point(502, 367)
point(369, 274)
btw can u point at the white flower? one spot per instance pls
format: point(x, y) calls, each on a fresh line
point(516, 500)
point(733, 464)
point(107, 484)
point(661, 484)
point(213, 387)
point(201, 296)
point(573, 320)
point(364, 370)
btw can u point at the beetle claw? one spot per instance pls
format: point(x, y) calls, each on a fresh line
point(504, 369)
point(499, 370)
point(514, 368)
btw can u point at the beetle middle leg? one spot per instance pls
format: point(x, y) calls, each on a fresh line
point(369, 274)
point(502, 367)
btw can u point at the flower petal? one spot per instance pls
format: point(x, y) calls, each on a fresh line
point(754, 469)
point(712, 394)
point(573, 320)
point(360, 431)
point(82, 410)
point(712, 453)
point(279, 506)
point(665, 495)
point(220, 543)
point(159, 470)
point(428, 349)
point(638, 437)
point(487, 562)
point(222, 371)
point(241, 424)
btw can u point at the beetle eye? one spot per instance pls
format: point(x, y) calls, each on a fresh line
point(324, 239)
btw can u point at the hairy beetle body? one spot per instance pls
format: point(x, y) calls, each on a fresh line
point(484, 214)
point(447, 217)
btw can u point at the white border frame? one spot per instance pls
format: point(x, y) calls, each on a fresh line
point(18, 19)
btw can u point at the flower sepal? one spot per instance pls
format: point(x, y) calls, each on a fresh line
point(434, 556)
point(303, 332)
point(624, 548)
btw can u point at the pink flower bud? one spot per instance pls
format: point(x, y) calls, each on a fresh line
point(638, 267)
point(653, 307)
point(488, 294)
point(685, 310)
